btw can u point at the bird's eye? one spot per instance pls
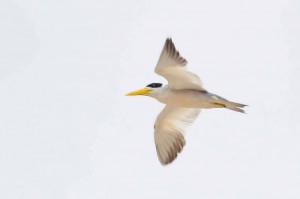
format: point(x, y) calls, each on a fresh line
point(154, 85)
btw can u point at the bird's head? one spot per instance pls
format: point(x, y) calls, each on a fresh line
point(149, 90)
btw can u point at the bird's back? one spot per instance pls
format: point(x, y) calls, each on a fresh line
point(187, 98)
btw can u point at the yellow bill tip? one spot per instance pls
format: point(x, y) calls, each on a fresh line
point(143, 91)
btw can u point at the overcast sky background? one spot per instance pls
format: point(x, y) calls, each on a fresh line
point(68, 131)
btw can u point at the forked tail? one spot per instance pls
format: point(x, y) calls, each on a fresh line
point(234, 106)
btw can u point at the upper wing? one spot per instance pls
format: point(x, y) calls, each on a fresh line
point(169, 131)
point(173, 67)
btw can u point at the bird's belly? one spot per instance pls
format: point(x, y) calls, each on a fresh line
point(187, 99)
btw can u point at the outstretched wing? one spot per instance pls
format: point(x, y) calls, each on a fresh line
point(173, 67)
point(169, 131)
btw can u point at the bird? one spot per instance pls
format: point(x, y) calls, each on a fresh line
point(184, 96)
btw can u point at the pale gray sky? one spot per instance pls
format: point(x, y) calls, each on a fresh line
point(67, 131)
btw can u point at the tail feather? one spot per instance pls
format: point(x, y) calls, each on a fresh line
point(235, 106)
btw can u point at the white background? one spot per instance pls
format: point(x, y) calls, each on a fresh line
point(68, 131)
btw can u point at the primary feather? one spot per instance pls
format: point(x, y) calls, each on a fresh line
point(169, 131)
point(173, 67)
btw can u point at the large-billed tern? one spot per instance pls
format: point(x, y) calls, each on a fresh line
point(184, 97)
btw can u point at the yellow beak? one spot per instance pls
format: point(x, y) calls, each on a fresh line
point(144, 91)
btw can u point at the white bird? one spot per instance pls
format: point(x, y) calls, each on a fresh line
point(184, 97)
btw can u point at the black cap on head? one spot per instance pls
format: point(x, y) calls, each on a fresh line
point(154, 85)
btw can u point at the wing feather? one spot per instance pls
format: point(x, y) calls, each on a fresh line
point(169, 131)
point(173, 67)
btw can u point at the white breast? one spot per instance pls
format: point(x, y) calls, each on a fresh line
point(183, 98)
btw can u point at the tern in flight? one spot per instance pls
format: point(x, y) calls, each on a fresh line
point(184, 96)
